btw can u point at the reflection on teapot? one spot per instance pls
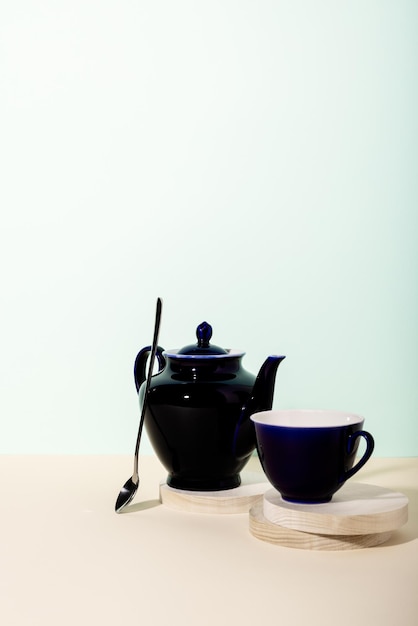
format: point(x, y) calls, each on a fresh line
point(198, 411)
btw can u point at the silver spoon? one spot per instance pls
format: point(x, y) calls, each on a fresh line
point(130, 487)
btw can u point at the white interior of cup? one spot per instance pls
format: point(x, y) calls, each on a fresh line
point(306, 418)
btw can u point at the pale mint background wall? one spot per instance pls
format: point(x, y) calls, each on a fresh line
point(254, 163)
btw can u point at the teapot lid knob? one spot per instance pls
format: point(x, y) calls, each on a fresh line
point(203, 334)
point(203, 347)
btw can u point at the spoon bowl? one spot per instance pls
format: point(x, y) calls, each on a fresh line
point(127, 493)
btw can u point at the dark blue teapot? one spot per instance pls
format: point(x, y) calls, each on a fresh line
point(198, 411)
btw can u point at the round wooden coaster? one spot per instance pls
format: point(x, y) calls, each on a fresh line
point(356, 509)
point(267, 531)
point(238, 500)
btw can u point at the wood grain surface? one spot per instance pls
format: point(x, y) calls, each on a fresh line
point(238, 500)
point(263, 529)
point(356, 509)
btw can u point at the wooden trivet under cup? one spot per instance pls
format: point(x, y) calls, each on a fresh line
point(358, 516)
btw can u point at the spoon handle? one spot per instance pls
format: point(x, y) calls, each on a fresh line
point(148, 383)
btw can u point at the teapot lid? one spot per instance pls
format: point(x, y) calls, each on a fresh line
point(203, 347)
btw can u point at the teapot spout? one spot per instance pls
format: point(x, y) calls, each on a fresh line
point(263, 390)
point(261, 399)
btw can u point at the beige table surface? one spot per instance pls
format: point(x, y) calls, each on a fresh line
point(67, 558)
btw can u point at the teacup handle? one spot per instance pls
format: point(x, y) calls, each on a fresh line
point(367, 454)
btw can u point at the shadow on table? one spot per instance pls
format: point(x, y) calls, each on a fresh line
point(140, 506)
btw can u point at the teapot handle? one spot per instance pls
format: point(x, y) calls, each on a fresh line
point(141, 361)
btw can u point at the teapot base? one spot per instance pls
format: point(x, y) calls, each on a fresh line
point(204, 484)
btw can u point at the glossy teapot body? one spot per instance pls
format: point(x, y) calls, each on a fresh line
point(198, 415)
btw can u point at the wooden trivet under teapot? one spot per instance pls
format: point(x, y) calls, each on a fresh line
point(237, 500)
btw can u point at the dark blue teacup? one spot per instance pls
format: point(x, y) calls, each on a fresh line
point(307, 455)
